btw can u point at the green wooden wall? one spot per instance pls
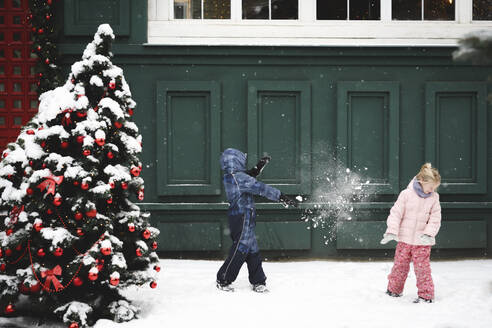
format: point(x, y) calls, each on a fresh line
point(387, 109)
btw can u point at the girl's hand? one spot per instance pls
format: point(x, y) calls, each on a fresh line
point(387, 237)
point(426, 240)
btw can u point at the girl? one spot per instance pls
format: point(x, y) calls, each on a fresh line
point(413, 222)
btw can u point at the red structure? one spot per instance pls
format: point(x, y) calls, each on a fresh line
point(18, 98)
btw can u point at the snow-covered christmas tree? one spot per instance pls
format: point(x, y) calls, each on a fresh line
point(70, 237)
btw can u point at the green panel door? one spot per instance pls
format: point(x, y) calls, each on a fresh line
point(368, 132)
point(188, 130)
point(456, 133)
point(279, 125)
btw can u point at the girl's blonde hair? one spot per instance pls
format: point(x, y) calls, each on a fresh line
point(429, 174)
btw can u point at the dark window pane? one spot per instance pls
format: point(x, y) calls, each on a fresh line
point(16, 36)
point(17, 104)
point(2, 36)
point(364, 9)
point(17, 70)
point(2, 103)
point(187, 9)
point(2, 87)
point(17, 53)
point(16, 3)
point(255, 9)
point(439, 9)
point(2, 70)
point(331, 9)
point(217, 9)
point(16, 20)
point(17, 87)
point(285, 9)
point(406, 9)
point(482, 10)
point(17, 119)
point(2, 4)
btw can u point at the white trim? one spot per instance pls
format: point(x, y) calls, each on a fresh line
point(307, 31)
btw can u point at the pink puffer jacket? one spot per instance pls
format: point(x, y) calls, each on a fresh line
point(412, 216)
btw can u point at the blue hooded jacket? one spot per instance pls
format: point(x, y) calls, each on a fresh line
point(239, 186)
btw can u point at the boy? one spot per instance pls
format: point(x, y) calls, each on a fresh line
point(240, 186)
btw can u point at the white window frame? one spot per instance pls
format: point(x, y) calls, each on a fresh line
point(163, 29)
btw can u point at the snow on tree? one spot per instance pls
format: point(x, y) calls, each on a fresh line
point(71, 238)
point(475, 46)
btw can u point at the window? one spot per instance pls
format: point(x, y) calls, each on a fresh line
point(482, 10)
point(423, 9)
point(315, 22)
point(270, 9)
point(357, 9)
point(198, 9)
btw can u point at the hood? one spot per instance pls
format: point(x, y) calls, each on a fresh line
point(233, 160)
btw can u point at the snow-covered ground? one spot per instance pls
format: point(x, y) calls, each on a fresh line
point(310, 294)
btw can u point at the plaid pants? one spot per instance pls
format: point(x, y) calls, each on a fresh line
point(420, 256)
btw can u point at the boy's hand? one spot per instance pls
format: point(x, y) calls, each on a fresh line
point(286, 201)
point(387, 237)
point(256, 170)
point(426, 240)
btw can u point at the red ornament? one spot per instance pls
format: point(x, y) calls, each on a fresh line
point(34, 30)
point(9, 176)
point(154, 245)
point(30, 131)
point(81, 114)
point(40, 31)
point(130, 111)
point(78, 216)
point(84, 185)
point(2, 267)
point(18, 247)
point(100, 141)
point(44, 165)
point(80, 139)
point(9, 232)
point(153, 284)
point(31, 163)
point(29, 191)
point(138, 251)
point(87, 152)
point(114, 281)
point(135, 171)
point(109, 200)
point(35, 288)
point(49, 2)
point(64, 145)
point(9, 309)
point(141, 194)
point(112, 85)
point(74, 325)
point(92, 213)
point(5, 154)
point(157, 268)
point(146, 234)
point(110, 155)
point(76, 183)
point(40, 75)
point(92, 276)
point(131, 227)
point(112, 185)
point(48, 17)
point(58, 252)
point(1, 253)
point(38, 226)
point(47, 61)
point(49, 211)
point(96, 109)
point(106, 251)
point(41, 252)
point(80, 232)
point(57, 201)
point(118, 125)
point(124, 185)
point(77, 282)
point(8, 252)
point(43, 144)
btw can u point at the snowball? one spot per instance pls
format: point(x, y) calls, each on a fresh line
point(100, 134)
point(96, 80)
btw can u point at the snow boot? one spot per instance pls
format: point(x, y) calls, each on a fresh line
point(423, 300)
point(225, 287)
point(260, 288)
point(392, 294)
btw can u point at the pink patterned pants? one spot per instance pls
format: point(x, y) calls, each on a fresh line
point(419, 255)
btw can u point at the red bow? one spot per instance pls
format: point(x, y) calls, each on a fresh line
point(49, 183)
point(66, 119)
point(50, 276)
point(14, 214)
